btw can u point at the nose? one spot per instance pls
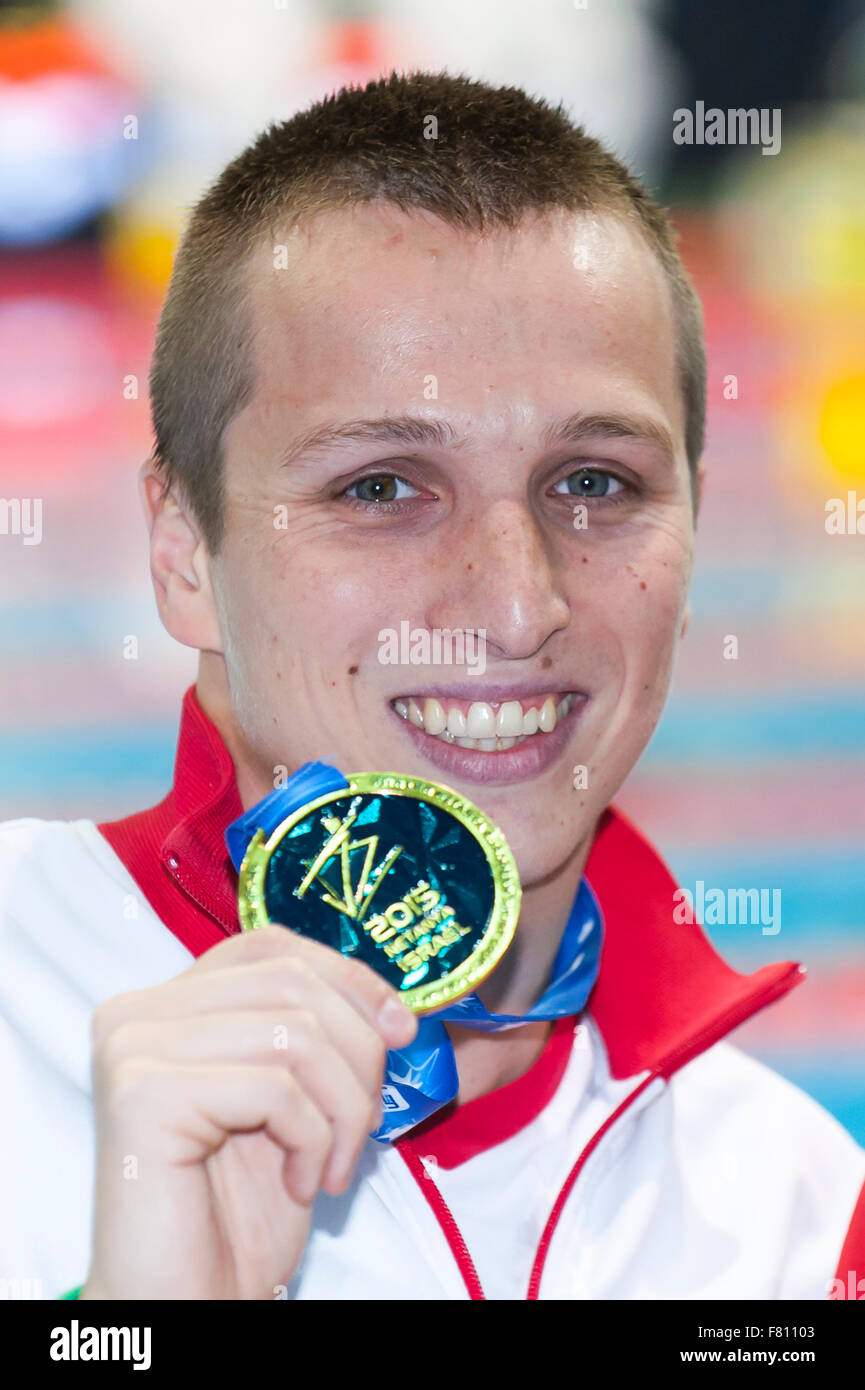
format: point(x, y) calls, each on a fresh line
point(502, 579)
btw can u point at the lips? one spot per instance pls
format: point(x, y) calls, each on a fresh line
point(492, 759)
point(487, 726)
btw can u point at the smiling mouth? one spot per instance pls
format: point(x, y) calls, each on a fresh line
point(488, 727)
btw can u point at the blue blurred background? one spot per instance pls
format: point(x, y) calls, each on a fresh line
point(114, 114)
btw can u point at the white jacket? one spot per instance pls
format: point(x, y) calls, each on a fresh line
point(641, 1157)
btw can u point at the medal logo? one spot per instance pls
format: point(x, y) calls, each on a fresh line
point(353, 904)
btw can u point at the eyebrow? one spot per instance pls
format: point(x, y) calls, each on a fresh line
point(579, 427)
point(411, 429)
point(390, 429)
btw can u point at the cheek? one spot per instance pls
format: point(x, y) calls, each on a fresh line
point(297, 613)
point(634, 599)
point(650, 639)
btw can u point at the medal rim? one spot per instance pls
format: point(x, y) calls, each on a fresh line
point(507, 890)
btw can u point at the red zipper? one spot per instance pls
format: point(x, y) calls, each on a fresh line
point(445, 1217)
point(713, 1033)
point(553, 1221)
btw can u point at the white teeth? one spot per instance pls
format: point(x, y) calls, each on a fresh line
point(509, 720)
point(434, 720)
point(481, 720)
point(547, 716)
point(456, 723)
point(484, 728)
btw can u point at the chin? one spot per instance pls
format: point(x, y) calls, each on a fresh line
point(541, 852)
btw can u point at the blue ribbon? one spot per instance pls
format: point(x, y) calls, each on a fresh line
point(421, 1078)
point(309, 782)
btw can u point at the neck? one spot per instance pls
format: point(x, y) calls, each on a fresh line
point(486, 1061)
point(524, 972)
point(214, 696)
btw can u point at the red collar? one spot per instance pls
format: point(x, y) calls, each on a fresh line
point(663, 994)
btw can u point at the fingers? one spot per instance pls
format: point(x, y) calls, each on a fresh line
point(356, 982)
point(262, 1005)
point(285, 963)
point(296, 1040)
point(276, 986)
point(199, 1107)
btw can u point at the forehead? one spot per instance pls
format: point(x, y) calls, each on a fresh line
point(360, 309)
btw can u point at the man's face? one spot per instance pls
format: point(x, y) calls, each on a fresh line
point(534, 501)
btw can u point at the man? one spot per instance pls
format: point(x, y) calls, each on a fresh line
point(428, 356)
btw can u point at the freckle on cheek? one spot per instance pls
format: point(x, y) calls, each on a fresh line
point(642, 583)
point(547, 663)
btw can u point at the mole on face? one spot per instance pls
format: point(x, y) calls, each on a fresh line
point(352, 670)
point(547, 663)
point(642, 583)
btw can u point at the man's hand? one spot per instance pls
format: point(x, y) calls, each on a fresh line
point(225, 1099)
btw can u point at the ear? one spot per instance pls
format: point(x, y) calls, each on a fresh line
point(178, 565)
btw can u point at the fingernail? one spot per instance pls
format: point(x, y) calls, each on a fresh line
point(393, 1016)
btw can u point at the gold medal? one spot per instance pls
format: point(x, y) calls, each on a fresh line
point(400, 873)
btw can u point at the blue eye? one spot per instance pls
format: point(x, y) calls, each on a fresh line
point(590, 482)
point(380, 487)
